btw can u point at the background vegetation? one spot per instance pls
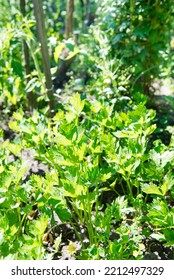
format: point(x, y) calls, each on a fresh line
point(87, 135)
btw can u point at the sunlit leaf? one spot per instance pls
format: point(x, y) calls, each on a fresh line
point(14, 125)
point(150, 189)
point(62, 140)
point(58, 51)
point(77, 103)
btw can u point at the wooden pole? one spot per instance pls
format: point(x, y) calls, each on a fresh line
point(41, 30)
point(69, 18)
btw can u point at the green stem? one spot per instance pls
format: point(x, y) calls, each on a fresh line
point(87, 217)
point(78, 235)
point(36, 63)
point(129, 187)
point(77, 211)
point(121, 185)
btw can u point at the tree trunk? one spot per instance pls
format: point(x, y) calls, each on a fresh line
point(69, 18)
point(90, 15)
point(40, 25)
point(61, 74)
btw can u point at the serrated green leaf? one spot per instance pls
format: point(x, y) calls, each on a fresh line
point(82, 151)
point(106, 176)
point(62, 140)
point(39, 226)
point(95, 107)
point(2, 169)
point(77, 103)
point(18, 173)
point(60, 115)
point(155, 157)
point(164, 188)
point(70, 116)
point(168, 182)
point(72, 189)
point(166, 157)
point(55, 156)
point(150, 189)
point(62, 212)
point(18, 116)
point(150, 129)
point(126, 134)
point(13, 125)
point(63, 162)
point(169, 235)
point(14, 148)
point(36, 138)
